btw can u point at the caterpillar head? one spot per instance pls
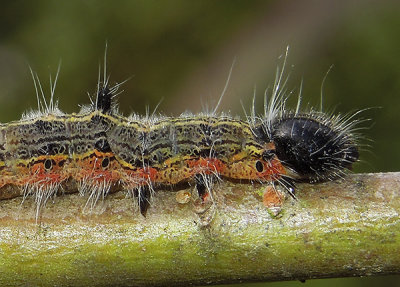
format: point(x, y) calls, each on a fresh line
point(314, 147)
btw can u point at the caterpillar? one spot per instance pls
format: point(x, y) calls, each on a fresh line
point(98, 149)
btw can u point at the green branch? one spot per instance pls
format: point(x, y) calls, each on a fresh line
point(343, 228)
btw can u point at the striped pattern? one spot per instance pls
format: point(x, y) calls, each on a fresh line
point(99, 150)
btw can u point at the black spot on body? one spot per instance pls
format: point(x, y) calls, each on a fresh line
point(105, 162)
point(102, 145)
point(259, 166)
point(48, 164)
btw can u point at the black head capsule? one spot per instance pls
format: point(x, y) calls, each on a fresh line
point(314, 150)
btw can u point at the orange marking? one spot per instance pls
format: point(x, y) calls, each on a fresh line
point(92, 167)
point(206, 165)
point(272, 197)
point(273, 170)
point(37, 173)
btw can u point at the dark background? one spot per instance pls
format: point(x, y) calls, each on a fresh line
point(178, 53)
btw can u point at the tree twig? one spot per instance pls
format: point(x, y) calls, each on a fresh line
point(342, 228)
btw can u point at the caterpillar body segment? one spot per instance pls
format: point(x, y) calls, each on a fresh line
point(99, 150)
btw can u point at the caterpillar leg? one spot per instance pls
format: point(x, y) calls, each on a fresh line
point(143, 195)
point(274, 197)
point(204, 206)
point(273, 200)
point(203, 186)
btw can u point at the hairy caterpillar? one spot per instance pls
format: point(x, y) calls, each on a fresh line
point(98, 149)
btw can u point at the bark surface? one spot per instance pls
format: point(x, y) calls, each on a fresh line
point(348, 227)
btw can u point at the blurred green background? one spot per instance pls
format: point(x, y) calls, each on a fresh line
point(180, 52)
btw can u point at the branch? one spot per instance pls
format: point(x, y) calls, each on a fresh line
point(341, 228)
